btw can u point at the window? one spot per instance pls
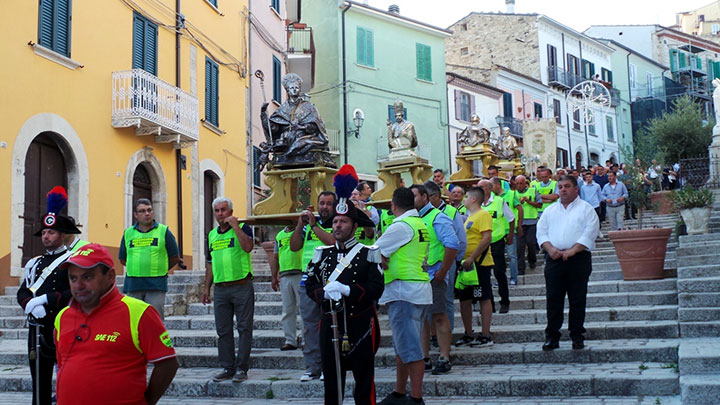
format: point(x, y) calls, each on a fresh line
point(551, 55)
point(537, 107)
point(463, 27)
point(391, 113)
point(556, 111)
point(424, 62)
point(144, 54)
point(464, 51)
point(573, 65)
point(591, 128)
point(211, 92)
point(562, 157)
point(256, 166)
point(507, 105)
point(365, 51)
point(715, 29)
point(275, 4)
point(54, 25)
point(610, 128)
point(649, 80)
point(633, 76)
point(606, 75)
point(277, 80)
point(588, 69)
point(464, 105)
point(576, 120)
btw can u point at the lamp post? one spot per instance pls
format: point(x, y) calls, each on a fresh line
point(358, 121)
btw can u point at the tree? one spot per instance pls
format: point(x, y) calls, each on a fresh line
point(676, 135)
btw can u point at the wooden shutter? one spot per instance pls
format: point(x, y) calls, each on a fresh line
point(45, 23)
point(211, 92)
point(369, 48)
point(673, 64)
point(458, 107)
point(138, 52)
point(507, 105)
point(61, 27)
point(422, 56)
point(150, 48)
point(682, 60)
point(144, 53)
point(552, 55)
point(472, 106)
point(360, 34)
point(277, 80)
point(716, 69)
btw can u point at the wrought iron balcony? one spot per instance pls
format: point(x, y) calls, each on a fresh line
point(301, 53)
point(515, 125)
point(333, 141)
point(558, 77)
point(154, 107)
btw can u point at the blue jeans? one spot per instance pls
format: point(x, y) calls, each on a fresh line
point(511, 251)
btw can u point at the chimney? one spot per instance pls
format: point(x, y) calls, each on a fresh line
point(510, 4)
point(394, 8)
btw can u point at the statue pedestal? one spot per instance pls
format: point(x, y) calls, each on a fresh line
point(390, 173)
point(714, 156)
point(511, 168)
point(283, 185)
point(465, 159)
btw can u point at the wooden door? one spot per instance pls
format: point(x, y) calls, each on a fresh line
point(44, 169)
point(210, 193)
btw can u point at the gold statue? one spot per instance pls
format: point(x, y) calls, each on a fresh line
point(507, 147)
point(474, 134)
point(401, 134)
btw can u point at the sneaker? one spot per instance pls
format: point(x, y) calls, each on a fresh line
point(287, 347)
point(504, 308)
point(465, 340)
point(395, 399)
point(226, 374)
point(308, 376)
point(428, 364)
point(513, 282)
point(443, 367)
point(482, 341)
point(240, 376)
point(322, 376)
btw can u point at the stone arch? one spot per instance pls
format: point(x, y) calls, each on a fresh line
point(150, 162)
point(78, 174)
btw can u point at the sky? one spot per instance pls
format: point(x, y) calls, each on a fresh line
point(577, 14)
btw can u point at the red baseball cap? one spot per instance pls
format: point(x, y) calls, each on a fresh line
point(89, 256)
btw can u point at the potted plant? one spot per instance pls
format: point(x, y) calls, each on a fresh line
point(641, 252)
point(694, 206)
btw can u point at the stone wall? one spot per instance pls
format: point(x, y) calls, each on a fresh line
point(509, 40)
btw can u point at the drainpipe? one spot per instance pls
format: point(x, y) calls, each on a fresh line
point(179, 23)
point(344, 86)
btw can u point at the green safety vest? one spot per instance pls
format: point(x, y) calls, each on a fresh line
point(509, 197)
point(386, 219)
point(462, 209)
point(146, 254)
point(437, 250)
point(287, 259)
point(80, 243)
point(466, 278)
point(450, 211)
point(229, 261)
point(311, 242)
point(529, 212)
point(545, 190)
point(498, 219)
point(407, 262)
point(360, 236)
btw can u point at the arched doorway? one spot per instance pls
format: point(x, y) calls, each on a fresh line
point(145, 179)
point(210, 192)
point(142, 184)
point(45, 168)
point(578, 160)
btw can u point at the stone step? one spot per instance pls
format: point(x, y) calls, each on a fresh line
point(698, 248)
point(700, 238)
point(584, 379)
point(699, 356)
point(692, 272)
point(699, 329)
point(699, 300)
point(700, 259)
point(501, 333)
point(698, 314)
point(700, 389)
point(699, 285)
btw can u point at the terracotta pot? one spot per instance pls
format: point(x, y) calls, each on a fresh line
point(696, 220)
point(661, 202)
point(641, 252)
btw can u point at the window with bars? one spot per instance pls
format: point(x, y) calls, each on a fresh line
point(365, 47)
point(54, 25)
point(211, 92)
point(424, 62)
point(145, 35)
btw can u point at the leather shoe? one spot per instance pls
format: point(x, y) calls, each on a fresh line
point(288, 347)
point(578, 345)
point(550, 344)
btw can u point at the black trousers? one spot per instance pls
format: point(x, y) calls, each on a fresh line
point(361, 361)
point(597, 212)
point(528, 240)
point(571, 278)
point(497, 249)
point(603, 210)
point(47, 363)
point(630, 209)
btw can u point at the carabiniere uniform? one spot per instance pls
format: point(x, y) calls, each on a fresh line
point(358, 325)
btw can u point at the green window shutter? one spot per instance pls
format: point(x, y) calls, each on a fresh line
point(682, 60)
point(423, 60)
point(45, 23)
point(609, 76)
point(365, 51)
point(673, 55)
point(277, 80)
point(716, 69)
point(211, 92)
point(699, 63)
point(507, 105)
point(61, 27)
point(151, 48)
point(369, 48)
point(592, 70)
point(138, 53)
point(144, 53)
point(360, 34)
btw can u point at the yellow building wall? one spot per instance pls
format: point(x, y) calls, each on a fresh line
point(101, 40)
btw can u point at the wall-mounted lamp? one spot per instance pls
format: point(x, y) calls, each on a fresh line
point(358, 120)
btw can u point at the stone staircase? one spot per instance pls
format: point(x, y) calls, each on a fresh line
point(631, 353)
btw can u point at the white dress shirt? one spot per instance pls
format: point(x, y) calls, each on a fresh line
point(564, 227)
point(395, 236)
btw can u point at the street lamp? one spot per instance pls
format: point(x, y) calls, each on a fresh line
point(358, 120)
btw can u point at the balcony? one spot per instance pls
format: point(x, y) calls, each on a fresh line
point(301, 54)
point(558, 77)
point(515, 125)
point(154, 107)
point(333, 141)
point(614, 97)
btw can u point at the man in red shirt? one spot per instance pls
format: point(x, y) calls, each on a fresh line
point(105, 339)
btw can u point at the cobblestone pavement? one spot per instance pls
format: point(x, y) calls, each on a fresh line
point(13, 398)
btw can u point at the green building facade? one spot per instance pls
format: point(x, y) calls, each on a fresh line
point(386, 57)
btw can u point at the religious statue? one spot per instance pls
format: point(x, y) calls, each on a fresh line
point(295, 133)
point(507, 147)
point(716, 100)
point(401, 134)
point(474, 134)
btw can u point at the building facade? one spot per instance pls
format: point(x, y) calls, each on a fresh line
point(120, 108)
point(558, 57)
point(703, 22)
point(371, 58)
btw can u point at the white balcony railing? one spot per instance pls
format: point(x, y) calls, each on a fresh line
point(333, 141)
point(153, 106)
